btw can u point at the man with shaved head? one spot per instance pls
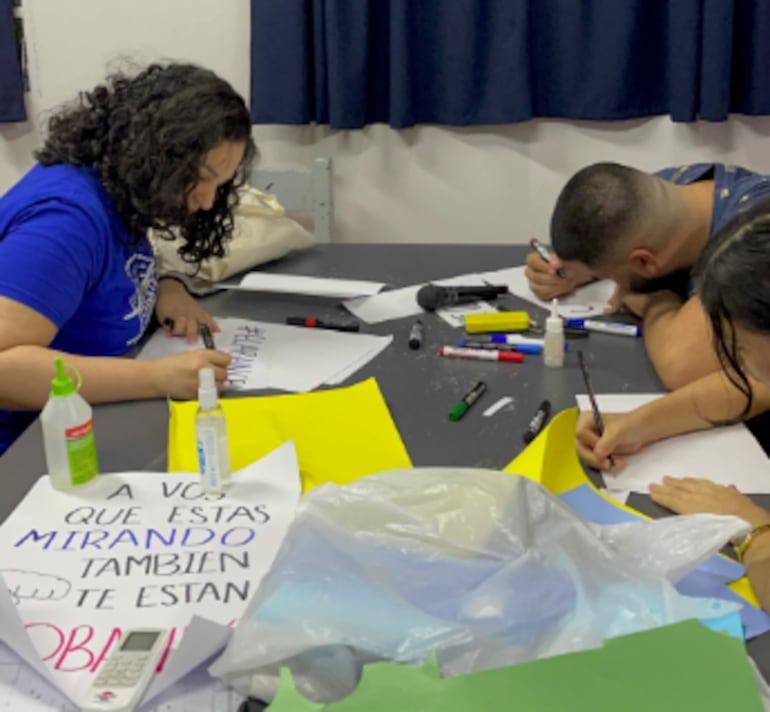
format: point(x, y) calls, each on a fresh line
point(645, 231)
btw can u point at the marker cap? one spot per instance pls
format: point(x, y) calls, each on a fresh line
point(458, 411)
point(207, 389)
point(512, 356)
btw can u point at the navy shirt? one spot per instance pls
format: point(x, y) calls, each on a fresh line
point(735, 189)
point(64, 252)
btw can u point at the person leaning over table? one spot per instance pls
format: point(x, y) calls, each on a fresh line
point(164, 148)
point(733, 283)
point(645, 231)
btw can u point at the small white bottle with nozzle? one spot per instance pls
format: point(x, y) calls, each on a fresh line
point(211, 435)
point(68, 436)
point(553, 344)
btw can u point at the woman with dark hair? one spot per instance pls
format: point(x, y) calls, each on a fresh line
point(732, 281)
point(164, 149)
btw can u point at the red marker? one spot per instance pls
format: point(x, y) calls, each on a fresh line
point(481, 354)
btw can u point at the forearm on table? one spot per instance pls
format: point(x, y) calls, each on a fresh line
point(26, 373)
point(678, 342)
point(698, 405)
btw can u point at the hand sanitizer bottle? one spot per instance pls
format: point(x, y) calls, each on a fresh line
point(68, 437)
point(211, 435)
point(553, 345)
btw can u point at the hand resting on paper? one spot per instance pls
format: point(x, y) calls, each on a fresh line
point(689, 495)
point(178, 312)
point(624, 434)
point(546, 283)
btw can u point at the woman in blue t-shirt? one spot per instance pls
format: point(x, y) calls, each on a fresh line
point(163, 149)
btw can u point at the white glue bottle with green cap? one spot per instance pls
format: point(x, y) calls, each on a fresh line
point(68, 434)
point(553, 343)
point(211, 435)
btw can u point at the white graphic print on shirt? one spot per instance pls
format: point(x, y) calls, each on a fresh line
point(141, 270)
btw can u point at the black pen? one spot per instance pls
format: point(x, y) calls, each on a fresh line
point(594, 405)
point(208, 339)
point(538, 421)
point(415, 335)
point(313, 323)
point(570, 332)
point(541, 250)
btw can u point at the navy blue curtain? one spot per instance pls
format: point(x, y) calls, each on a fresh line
point(349, 63)
point(11, 82)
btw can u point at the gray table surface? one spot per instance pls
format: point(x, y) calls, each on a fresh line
point(419, 386)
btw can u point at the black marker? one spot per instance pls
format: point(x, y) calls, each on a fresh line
point(570, 332)
point(312, 323)
point(415, 335)
point(208, 339)
point(538, 421)
point(489, 345)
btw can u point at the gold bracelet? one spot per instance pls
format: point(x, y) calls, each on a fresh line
point(743, 545)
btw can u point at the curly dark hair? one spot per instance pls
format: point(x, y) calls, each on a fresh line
point(147, 136)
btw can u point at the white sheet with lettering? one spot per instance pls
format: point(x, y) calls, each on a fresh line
point(139, 549)
point(288, 358)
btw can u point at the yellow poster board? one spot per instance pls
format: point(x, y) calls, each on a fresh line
point(340, 434)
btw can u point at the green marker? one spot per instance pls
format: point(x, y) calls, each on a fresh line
point(468, 400)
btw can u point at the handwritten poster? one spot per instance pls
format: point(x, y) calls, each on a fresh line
point(277, 356)
point(139, 550)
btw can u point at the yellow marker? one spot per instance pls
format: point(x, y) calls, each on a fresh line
point(496, 322)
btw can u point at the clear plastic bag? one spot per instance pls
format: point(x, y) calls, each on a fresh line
point(485, 568)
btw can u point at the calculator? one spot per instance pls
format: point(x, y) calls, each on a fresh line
point(124, 676)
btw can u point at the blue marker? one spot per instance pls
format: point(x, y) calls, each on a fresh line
point(513, 339)
point(530, 348)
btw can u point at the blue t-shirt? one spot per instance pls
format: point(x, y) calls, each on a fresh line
point(735, 190)
point(64, 252)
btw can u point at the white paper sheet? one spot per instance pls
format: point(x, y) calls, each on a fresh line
point(589, 300)
point(312, 286)
point(289, 358)
point(189, 554)
point(400, 303)
point(727, 456)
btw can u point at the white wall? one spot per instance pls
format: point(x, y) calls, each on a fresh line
point(428, 184)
